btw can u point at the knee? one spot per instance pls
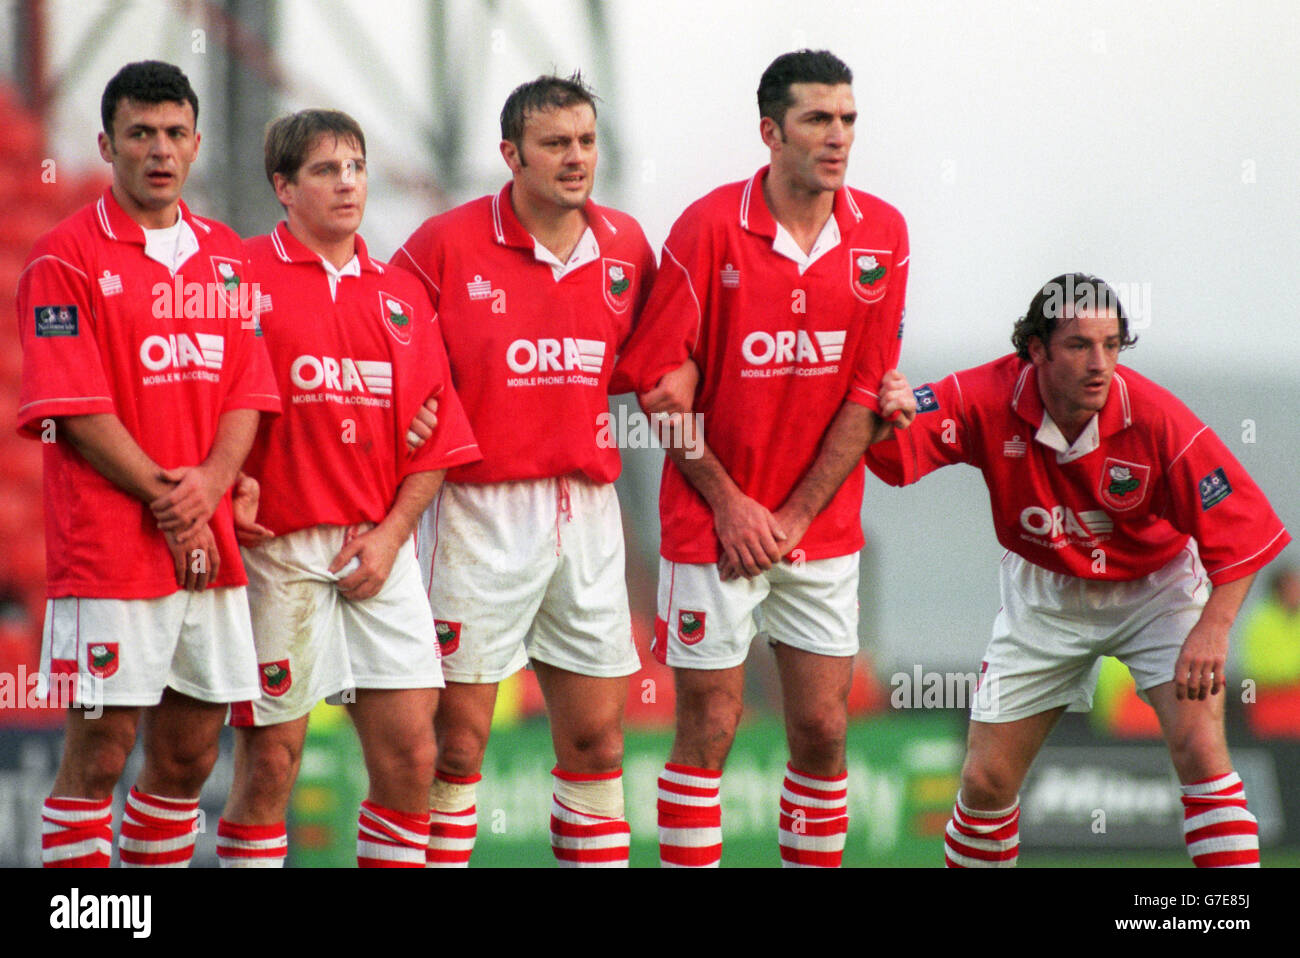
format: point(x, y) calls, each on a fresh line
point(271, 770)
point(460, 753)
point(706, 727)
point(988, 785)
point(1198, 749)
point(184, 766)
point(408, 759)
point(821, 734)
point(596, 751)
point(102, 764)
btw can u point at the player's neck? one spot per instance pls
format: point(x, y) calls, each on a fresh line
point(337, 251)
point(1071, 421)
point(802, 213)
point(146, 217)
point(559, 230)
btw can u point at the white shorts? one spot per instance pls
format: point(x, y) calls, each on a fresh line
point(705, 623)
point(1052, 630)
point(527, 570)
point(313, 643)
point(124, 652)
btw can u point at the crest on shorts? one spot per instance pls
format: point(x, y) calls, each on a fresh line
point(617, 283)
point(1123, 484)
point(276, 678)
point(448, 635)
point(396, 315)
point(690, 626)
point(869, 273)
point(101, 659)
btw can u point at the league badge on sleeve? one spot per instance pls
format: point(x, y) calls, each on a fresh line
point(1123, 484)
point(1214, 489)
point(869, 273)
point(926, 400)
point(617, 282)
point(56, 320)
point(396, 315)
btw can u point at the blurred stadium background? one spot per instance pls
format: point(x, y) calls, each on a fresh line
point(1157, 147)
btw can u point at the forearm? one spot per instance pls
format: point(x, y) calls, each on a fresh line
point(414, 495)
point(236, 431)
point(1225, 602)
point(705, 472)
point(853, 429)
point(104, 442)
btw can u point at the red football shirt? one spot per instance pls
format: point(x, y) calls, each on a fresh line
point(779, 352)
point(1117, 512)
point(352, 371)
point(105, 329)
point(531, 356)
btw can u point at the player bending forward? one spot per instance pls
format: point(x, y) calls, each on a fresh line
point(335, 594)
point(1120, 510)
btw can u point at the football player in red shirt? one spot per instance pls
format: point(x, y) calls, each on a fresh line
point(1120, 510)
point(139, 348)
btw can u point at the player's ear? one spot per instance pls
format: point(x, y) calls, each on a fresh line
point(771, 132)
point(281, 184)
point(198, 138)
point(1037, 351)
point(105, 147)
point(510, 153)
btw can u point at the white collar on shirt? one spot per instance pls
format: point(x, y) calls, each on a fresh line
point(587, 251)
point(827, 240)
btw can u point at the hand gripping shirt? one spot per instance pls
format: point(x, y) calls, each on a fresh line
point(779, 350)
point(353, 368)
point(1119, 504)
point(532, 355)
point(106, 329)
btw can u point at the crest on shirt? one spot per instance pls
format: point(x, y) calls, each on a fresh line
point(225, 270)
point(617, 283)
point(396, 315)
point(690, 626)
point(869, 273)
point(448, 635)
point(276, 678)
point(1123, 484)
point(101, 659)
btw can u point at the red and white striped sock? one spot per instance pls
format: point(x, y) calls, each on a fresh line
point(690, 817)
point(588, 829)
point(978, 839)
point(453, 824)
point(251, 846)
point(1218, 829)
point(157, 832)
point(391, 839)
point(76, 832)
point(814, 819)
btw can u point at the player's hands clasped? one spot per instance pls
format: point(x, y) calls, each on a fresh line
point(422, 426)
point(190, 503)
point(375, 551)
point(749, 536)
point(196, 561)
point(247, 495)
point(1198, 673)
point(897, 401)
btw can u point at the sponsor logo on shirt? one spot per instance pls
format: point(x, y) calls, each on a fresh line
point(550, 362)
point(276, 677)
point(1060, 526)
point(792, 352)
point(1123, 484)
point(869, 273)
point(690, 626)
point(56, 321)
point(396, 315)
point(926, 400)
point(102, 660)
point(343, 380)
point(448, 635)
point(180, 357)
point(1214, 489)
point(110, 284)
point(619, 279)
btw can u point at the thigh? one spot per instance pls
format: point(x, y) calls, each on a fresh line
point(703, 622)
point(1002, 752)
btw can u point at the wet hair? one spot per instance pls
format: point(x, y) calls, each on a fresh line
point(1082, 292)
point(146, 81)
point(547, 92)
point(801, 66)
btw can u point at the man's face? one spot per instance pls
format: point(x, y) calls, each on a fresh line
point(556, 166)
point(1074, 374)
point(151, 149)
point(811, 147)
point(327, 197)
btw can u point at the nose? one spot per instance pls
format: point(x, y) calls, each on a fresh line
point(1097, 356)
